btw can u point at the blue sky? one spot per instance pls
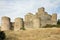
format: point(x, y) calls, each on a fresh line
point(18, 8)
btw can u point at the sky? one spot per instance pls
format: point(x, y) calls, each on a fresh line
point(19, 8)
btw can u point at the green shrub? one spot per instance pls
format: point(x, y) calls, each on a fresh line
point(50, 26)
point(22, 28)
point(58, 22)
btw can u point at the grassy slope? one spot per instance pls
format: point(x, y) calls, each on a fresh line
point(34, 34)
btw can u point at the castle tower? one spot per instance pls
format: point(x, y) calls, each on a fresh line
point(47, 18)
point(28, 17)
point(41, 12)
point(42, 15)
point(5, 25)
point(36, 22)
point(54, 19)
point(28, 20)
point(18, 24)
point(42, 9)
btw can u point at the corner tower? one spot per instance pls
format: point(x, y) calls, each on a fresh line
point(54, 19)
point(5, 25)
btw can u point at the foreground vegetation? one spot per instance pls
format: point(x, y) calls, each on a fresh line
point(46, 33)
point(34, 34)
point(50, 26)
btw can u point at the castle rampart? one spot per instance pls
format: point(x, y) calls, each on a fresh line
point(38, 20)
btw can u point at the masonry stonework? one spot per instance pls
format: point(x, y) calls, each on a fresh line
point(5, 25)
point(28, 20)
point(38, 20)
point(54, 19)
point(18, 24)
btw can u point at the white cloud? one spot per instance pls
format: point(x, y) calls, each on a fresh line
point(58, 16)
point(15, 9)
point(48, 4)
point(18, 8)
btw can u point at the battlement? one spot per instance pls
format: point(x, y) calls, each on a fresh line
point(39, 20)
point(42, 9)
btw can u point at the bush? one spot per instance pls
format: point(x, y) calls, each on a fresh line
point(50, 26)
point(2, 35)
point(22, 28)
point(58, 22)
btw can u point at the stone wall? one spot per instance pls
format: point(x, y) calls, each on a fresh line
point(54, 19)
point(5, 25)
point(28, 20)
point(18, 24)
point(38, 20)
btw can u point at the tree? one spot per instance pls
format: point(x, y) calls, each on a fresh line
point(2, 35)
point(58, 22)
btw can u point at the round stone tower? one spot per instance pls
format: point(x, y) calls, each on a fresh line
point(54, 19)
point(5, 25)
point(18, 24)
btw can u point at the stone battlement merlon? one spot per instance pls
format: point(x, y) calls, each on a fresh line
point(42, 9)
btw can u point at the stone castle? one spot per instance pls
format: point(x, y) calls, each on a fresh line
point(38, 20)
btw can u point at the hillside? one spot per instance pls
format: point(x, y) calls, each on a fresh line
point(34, 34)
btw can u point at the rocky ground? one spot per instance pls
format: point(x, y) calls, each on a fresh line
point(34, 34)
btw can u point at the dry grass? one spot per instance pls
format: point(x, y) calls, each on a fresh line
point(34, 34)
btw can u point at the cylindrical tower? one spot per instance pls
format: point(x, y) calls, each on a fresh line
point(5, 25)
point(18, 24)
point(54, 19)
